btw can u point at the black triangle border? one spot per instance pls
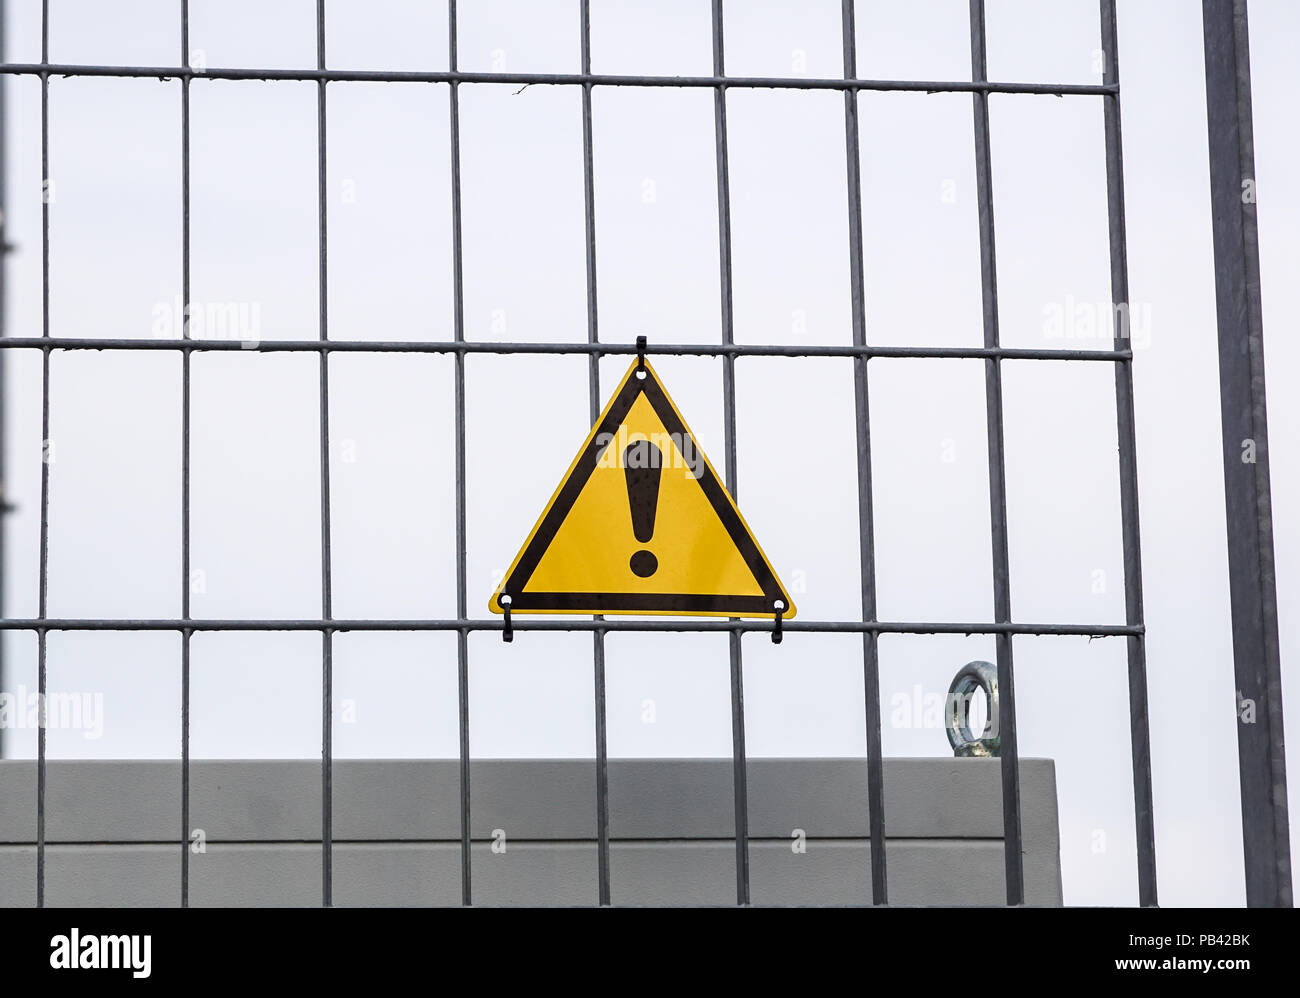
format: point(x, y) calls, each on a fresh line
point(633, 387)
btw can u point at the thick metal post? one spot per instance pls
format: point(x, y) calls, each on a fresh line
point(1253, 590)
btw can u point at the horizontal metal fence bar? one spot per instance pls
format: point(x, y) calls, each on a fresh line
point(520, 624)
point(554, 79)
point(598, 349)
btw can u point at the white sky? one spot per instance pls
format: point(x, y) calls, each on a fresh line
point(115, 481)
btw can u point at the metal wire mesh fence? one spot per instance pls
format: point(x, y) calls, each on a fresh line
point(859, 352)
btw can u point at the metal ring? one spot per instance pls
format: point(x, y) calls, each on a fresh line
point(973, 676)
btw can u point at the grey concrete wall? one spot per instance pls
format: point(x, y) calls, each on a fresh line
point(112, 832)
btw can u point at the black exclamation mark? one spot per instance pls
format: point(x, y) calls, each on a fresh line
point(642, 467)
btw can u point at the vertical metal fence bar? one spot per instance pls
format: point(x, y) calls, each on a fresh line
point(42, 633)
point(866, 516)
point(4, 360)
point(327, 608)
point(997, 469)
point(593, 336)
point(1139, 727)
point(1247, 491)
point(186, 634)
point(458, 321)
point(739, 779)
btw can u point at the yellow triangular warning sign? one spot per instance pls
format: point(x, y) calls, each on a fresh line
point(642, 524)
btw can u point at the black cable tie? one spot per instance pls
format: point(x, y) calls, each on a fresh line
point(508, 632)
point(776, 627)
point(640, 354)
